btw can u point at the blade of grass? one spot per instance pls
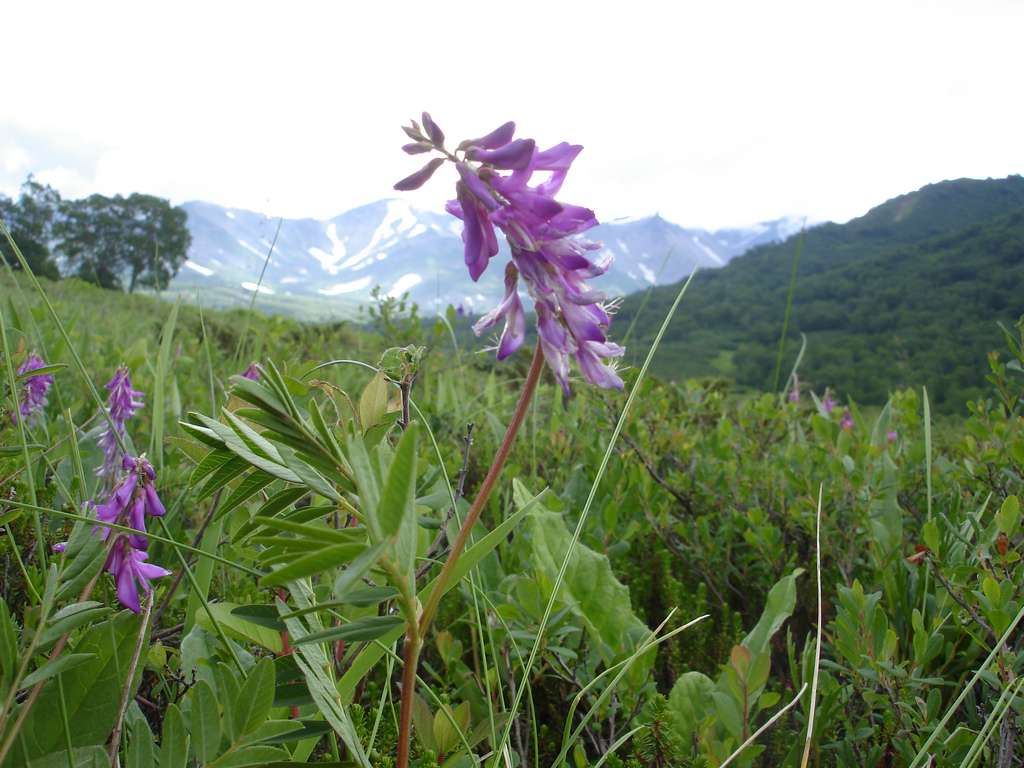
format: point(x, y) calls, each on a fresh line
point(163, 363)
point(240, 349)
point(765, 727)
point(797, 251)
point(584, 514)
point(966, 689)
point(817, 645)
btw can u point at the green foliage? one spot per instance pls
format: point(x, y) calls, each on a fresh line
point(907, 295)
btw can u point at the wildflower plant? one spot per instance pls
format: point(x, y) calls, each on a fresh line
point(34, 388)
point(122, 403)
point(497, 190)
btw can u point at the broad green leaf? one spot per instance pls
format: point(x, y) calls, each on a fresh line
point(255, 698)
point(263, 615)
point(689, 703)
point(205, 722)
point(590, 589)
point(71, 617)
point(777, 608)
point(1008, 515)
point(140, 751)
point(373, 402)
point(92, 692)
point(94, 756)
point(367, 484)
point(423, 722)
point(239, 627)
point(245, 490)
point(174, 742)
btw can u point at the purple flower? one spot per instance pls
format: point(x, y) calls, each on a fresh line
point(542, 233)
point(252, 373)
point(130, 570)
point(131, 500)
point(34, 389)
point(827, 403)
point(460, 311)
point(847, 421)
point(891, 435)
point(122, 403)
point(794, 393)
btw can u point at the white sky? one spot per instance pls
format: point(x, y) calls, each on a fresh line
point(712, 113)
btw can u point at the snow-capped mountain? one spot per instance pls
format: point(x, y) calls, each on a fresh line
point(402, 249)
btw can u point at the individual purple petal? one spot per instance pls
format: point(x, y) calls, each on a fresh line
point(499, 137)
point(154, 506)
point(418, 179)
point(417, 147)
point(252, 373)
point(59, 547)
point(127, 592)
point(513, 156)
point(476, 186)
point(557, 158)
point(433, 131)
point(137, 520)
point(511, 309)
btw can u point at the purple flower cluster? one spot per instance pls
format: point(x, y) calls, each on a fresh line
point(34, 388)
point(122, 403)
point(846, 422)
point(129, 503)
point(131, 500)
point(496, 190)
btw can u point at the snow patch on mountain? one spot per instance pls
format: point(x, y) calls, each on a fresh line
point(404, 283)
point(350, 287)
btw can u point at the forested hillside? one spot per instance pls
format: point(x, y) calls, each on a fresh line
point(909, 294)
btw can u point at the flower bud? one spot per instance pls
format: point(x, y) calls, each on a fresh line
point(418, 179)
point(417, 148)
point(433, 131)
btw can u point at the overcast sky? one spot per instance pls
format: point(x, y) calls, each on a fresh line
point(711, 113)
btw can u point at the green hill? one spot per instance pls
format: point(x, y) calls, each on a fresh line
point(911, 293)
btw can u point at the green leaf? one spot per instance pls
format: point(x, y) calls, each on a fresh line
point(366, 628)
point(590, 590)
point(255, 699)
point(140, 748)
point(158, 404)
point(365, 661)
point(367, 484)
point(398, 494)
point(355, 570)
point(777, 608)
point(71, 617)
point(263, 615)
point(1008, 516)
point(205, 722)
point(688, 703)
point(63, 663)
point(373, 403)
point(94, 756)
point(209, 464)
point(174, 742)
point(313, 563)
point(931, 536)
point(245, 490)
point(256, 755)
point(239, 627)
point(92, 692)
point(423, 722)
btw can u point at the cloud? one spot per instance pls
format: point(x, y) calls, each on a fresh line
point(711, 113)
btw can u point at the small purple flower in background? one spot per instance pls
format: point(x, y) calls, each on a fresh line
point(122, 403)
point(891, 435)
point(847, 421)
point(59, 547)
point(252, 373)
point(542, 234)
point(460, 311)
point(34, 389)
point(130, 570)
point(794, 393)
point(827, 403)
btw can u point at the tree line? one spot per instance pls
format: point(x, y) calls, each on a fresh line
point(117, 242)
